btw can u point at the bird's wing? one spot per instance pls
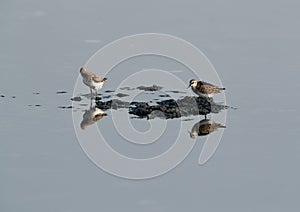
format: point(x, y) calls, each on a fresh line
point(202, 87)
point(97, 78)
point(210, 88)
point(209, 84)
point(199, 85)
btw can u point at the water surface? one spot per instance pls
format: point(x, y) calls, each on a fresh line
point(254, 48)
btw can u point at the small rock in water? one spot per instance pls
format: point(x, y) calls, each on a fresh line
point(176, 91)
point(65, 107)
point(38, 105)
point(104, 97)
point(121, 95)
point(76, 99)
point(164, 95)
point(2, 96)
point(61, 92)
point(13, 97)
point(97, 98)
point(109, 91)
point(36, 93)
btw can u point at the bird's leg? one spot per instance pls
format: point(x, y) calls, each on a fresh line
point(91, 92)
point(91, 103)
point(205, 116)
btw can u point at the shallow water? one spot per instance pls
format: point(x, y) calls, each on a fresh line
point(254, 48)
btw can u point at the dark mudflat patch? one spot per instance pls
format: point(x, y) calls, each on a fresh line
point(2, 96)
point(13, 97)
point(61, 92)
point(167, 109)
point(36, 93)
point(38, 105)
point(150, 88)
point(121, 95)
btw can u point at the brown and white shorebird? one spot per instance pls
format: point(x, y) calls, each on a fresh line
point(204, 89)
point(91, 80)
point(204, 127)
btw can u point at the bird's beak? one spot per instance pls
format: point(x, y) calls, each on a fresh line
point(188, 86)
point(190, 134)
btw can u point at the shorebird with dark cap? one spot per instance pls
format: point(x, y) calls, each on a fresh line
point(204, 89)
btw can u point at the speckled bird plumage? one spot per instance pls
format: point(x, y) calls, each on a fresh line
point(204, 89)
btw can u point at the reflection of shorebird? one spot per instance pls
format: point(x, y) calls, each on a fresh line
point(91, 80)
point(91, 116)
point(204, 127)
point(204, 89)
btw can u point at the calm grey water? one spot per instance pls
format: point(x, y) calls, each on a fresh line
point(254, 47)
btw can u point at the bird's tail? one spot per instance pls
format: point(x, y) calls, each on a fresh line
point(221, 126)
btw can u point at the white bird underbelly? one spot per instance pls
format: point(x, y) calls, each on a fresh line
point(92, 84)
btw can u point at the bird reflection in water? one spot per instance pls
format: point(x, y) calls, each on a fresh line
point(91, 116)
point(204, 127)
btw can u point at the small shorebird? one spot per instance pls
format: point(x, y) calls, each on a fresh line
point(204, 127)
point(204, 89)
point(91, 80)
point(91, 116)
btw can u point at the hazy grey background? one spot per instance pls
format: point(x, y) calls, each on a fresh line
point(254, 46)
